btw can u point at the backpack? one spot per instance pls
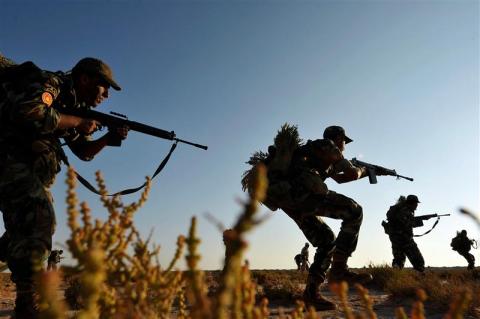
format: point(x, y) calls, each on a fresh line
point(277, 160)
point(456, 243)
point(17, 74)
point(14, 77)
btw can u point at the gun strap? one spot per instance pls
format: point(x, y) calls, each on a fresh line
point(91, 188)
point(435, 224)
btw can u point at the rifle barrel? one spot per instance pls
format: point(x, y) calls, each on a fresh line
point(203, 147)
point(405, 177)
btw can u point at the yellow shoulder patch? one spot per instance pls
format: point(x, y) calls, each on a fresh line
point(47, 98)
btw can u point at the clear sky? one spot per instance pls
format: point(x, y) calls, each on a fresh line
point(401, 77)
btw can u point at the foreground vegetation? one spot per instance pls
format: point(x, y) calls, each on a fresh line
point(118, 275)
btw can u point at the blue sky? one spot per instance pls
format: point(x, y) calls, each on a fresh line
point(401, 77)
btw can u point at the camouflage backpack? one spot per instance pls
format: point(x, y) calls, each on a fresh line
point(14, 77)
point(455, 244)
point(277, 160)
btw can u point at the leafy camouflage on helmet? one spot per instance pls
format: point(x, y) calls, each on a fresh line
point(286, 142)
point(248, 175)
point(279, 155)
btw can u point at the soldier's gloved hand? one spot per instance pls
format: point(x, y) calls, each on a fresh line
point(117, 135)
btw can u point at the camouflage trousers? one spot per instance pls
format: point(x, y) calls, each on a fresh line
point(403, 246)
point(307, 215)
point(469, 257)
point(29, 220)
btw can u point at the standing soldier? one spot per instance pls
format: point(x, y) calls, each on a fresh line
point(462, 244)
point(54, 259)
point(296, 185)
point(399, 228)
point(304, 253)
point(31, 153)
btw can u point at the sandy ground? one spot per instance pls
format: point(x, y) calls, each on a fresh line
point(383, 305)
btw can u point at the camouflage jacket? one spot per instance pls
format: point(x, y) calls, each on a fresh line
point(313, 163)
point(29, 131)
point(400, 219)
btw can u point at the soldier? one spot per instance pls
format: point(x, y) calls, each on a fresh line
point(311, 164)
point(462, 244)
point(31, 153)
point(302, 259)
point(304, 253)
point(54, 259)
point(400, 231)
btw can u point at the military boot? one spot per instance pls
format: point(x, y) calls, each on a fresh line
point(340, 272)
point(313, 297)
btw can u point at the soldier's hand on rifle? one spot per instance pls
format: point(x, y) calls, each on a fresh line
point(117, 134)
point(122, 132)
point(87, 126)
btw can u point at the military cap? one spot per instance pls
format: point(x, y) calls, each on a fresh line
point(332, 132)
point(95, 66)
point(413, 199)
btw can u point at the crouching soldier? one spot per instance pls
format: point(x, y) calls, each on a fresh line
point(296, 174)
point(462, 244)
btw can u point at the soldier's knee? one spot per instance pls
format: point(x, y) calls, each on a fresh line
point(356, 214)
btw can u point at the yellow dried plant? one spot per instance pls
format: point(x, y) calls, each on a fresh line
point(120, 276)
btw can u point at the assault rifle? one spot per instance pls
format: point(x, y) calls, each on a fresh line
point(418, 220)
point(374, 170)
point(116, 120)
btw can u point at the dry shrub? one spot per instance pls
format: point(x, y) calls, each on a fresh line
point(118, 274)
point(280, 285)
point(439, 285)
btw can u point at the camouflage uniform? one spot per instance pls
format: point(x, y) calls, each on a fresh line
point(400, 230)
point(462, 244)
point(296, 176)
point(311, 165)
point(30, 157)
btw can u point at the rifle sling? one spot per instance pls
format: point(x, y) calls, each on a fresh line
point(91, 188)
point(435, 224)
